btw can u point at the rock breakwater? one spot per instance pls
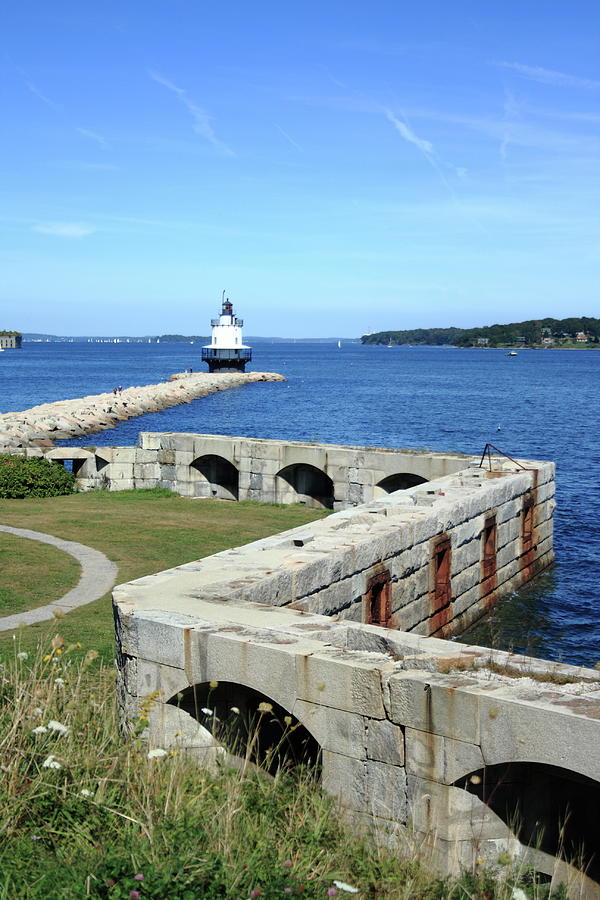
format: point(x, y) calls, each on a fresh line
point(66, 419)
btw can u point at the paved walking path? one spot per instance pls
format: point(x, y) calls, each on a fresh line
point(98, 575)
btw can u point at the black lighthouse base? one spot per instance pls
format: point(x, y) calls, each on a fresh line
point(226, 360)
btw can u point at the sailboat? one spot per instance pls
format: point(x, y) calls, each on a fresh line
point(339, 345)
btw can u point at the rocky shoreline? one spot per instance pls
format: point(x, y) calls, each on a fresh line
point(66, 419)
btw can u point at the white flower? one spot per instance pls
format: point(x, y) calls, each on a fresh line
point(342, 886)
point(519, 894)
point(85, 793)
point(22, 655)
point(51, 762)
point(206, 711)
point(157, 753)
point(60, 681)
point(235, 710)
point(38, 711)
point(41, 729)
point(53, 725)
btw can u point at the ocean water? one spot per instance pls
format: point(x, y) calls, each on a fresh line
point(539, 404)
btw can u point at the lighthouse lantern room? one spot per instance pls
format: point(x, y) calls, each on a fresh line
point(226, 351)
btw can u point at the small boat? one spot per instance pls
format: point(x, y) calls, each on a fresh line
point(339, 345)
point(512, 353)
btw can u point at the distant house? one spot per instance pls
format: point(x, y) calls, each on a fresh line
point(581, 337)
point(483, 342)
point(547, 340)
point(10, 340)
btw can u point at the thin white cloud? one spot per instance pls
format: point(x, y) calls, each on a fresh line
point(426, 147)
point(65, 229)
point(34, 90)
point(549, 76)
point(288, 138)
point(201, 119)
point(93, 136)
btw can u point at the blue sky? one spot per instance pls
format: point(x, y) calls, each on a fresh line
point(335, 166)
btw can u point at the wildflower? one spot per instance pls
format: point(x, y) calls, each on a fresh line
point(51, 762)
point(256, 892)
point(287, 890)
point(134, 895)
point(85, 793)
point(22, 655)
point(519, 894)
point(41, 729)
point(38, 711)
point(287, 864)
point(57, 643)
point(265, 707)
point(58, 613)
point(206, 711)
point(287, 720)
point(342, 886)
point(157, 753)
point(139, 877)
point(214, 684)
point(34, 837)
point(53, 725)
point(59, 681)
point(234, 709)
point(331, 892)
point(47, 657)
point(475, 779)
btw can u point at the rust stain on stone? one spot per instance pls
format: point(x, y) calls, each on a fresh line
point(377, 599)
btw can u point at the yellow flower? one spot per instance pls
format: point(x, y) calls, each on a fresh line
point(214, 684)
point(287, 720)
point(265, 707)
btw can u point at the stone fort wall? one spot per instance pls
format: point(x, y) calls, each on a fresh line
point(336, 624)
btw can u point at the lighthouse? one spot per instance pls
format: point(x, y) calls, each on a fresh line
point(226, 351)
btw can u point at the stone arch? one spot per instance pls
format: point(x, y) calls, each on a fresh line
point(399, 481)
point(303, 483)
point(250, 725)
point(548, 808)
point(215, 477)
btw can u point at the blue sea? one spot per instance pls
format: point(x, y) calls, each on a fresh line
point(539, 404)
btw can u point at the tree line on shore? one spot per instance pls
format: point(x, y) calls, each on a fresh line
point(531, 333)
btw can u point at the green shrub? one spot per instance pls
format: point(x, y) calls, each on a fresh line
point(22, 476)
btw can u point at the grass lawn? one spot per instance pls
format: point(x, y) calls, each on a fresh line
point(142, 532)
point(33, 574)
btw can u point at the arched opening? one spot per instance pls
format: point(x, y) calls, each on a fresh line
point(401, 481)
point(253, 728)
point(217, 477)
point(548, 808)
point(302, 483)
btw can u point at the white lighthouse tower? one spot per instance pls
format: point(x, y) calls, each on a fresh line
point(226, 351)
